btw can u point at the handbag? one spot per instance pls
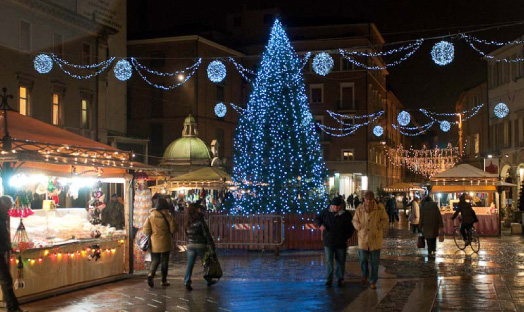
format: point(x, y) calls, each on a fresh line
point(212, 267)
point(421, 243)
point(143, 241)
point(441, 237)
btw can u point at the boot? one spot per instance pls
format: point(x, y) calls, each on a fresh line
point(150, 281)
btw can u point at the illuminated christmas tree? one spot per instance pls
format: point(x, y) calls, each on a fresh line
point(278, 163)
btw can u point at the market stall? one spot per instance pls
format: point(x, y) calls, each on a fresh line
point(66, 232)
point(480, 188)
point(404, 189)
point(207, 185)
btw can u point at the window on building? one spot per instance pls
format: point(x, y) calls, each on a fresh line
point(85, 114)
point(514, 67)
point(58, 44)
point(316, 93)
point(157, 103)
point(86, 53)
point(348, 154)
point(516, 132)
point(220, 94)
point(25, 36)
point(507, 134)
point(24, 101)
point(57, 107)
point(347, 96)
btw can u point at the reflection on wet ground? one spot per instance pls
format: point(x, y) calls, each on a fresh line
point(409, 280)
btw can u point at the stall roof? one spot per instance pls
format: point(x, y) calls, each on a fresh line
point(207, 174)
point(463, 171)
point(401, 187)
point(463, 188)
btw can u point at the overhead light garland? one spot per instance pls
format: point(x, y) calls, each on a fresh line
point(421, 129)
point(445, 126)
point(220, 110)
point(470, 40)
point(501, 110)
point(378, 131)
point(216, 71)
point(123, 70)
point(102, 66)
point(443, 53)
point(242, 70)
point(189, 72)
point(305, 59)
point(43, 63)
point(323, 64)
point(403, 118)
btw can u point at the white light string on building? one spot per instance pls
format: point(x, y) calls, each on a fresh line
point(102, 66)
point(190, 72)
point(470, 39)
point(414, 49)
point(467, 114)
point(237, 108)
point(305, 59)
point(340, 118)
point(328, 130)
point(422, 129)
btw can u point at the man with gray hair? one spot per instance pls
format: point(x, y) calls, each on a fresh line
point(6, 281)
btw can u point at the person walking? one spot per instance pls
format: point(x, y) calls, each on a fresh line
point(430, 224)
point(391, 208)
point(350, 201)
point(369, 220)
point(356, 201)
point(336, 226)
point(6, 281)
point(414, 216)
point(199, 241)
point(160, 226)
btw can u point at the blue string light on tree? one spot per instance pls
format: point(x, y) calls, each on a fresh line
point(501, 110)
point(323, 63)
point(123, 70)
point(220, 110)
point(43, 63)
point(445, 126)
point(378, 131)
point(443, 53)
point(403, 118)
point(216, 71)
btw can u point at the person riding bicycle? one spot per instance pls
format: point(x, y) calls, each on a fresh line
point(468, 218)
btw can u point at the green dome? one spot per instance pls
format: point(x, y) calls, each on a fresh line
point(187, 148)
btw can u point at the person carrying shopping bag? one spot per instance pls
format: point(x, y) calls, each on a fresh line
point(160, 226)
point(199, 241)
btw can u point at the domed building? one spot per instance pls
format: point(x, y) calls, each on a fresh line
point(189, 152)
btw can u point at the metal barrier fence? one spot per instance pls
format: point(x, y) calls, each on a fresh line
point(262, 232)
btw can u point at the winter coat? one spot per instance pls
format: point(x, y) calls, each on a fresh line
point(338, 227)
point(391, 206)
point(430, 219)
point(198, 234)
point(370, 226)
point(113, 214)
point(160, 230)
point(467, 213)
point(5, 239)
point(414, 216)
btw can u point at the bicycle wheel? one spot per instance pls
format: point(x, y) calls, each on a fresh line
point(459, 241)
point(475, 241)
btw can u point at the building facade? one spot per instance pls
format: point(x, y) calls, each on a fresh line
point(78, 32)
point(506, 85)
point(159, 114)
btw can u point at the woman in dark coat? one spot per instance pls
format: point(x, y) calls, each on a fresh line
point(199, 241)
point(430, 223)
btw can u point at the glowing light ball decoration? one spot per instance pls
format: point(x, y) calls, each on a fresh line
point(323, 63)
point(216, 71)
point(443, 53)
point(501, 110)
point(403, 118)
point(43, 63)
point(445, 126)
point(378, 131)
point(220, 110)
point(123, 70)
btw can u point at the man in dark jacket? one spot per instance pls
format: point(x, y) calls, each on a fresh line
point(6, 202)
point(391, 209)
point(113, 213)
point(336, 226)
point(468, 217)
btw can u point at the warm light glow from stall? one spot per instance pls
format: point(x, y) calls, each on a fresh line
point(331, 182)
point(364, 183)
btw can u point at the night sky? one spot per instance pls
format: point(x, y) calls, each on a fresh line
point(418, 82)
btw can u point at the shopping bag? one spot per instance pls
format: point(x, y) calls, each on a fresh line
point(421, 243)
point(143, 241)
point(212, 267)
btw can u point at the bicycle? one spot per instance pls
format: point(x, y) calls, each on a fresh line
point(474, 239)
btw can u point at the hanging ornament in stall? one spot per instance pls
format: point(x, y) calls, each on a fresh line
point(142, 204)
point(96, 204)
point(21, 242)
point(19, 280)
point(21, 207)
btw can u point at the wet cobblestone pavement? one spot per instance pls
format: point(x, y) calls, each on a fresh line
point(492, 280)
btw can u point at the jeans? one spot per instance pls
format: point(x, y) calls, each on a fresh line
point(340, 258)
point(432, 245)
point(363, 256)
point(6, 282)
point(191, 258)
point(158, 258)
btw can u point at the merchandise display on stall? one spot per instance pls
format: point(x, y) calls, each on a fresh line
point(141, 207)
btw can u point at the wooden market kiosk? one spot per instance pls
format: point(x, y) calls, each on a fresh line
point(65, 249)
point(480, 186)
